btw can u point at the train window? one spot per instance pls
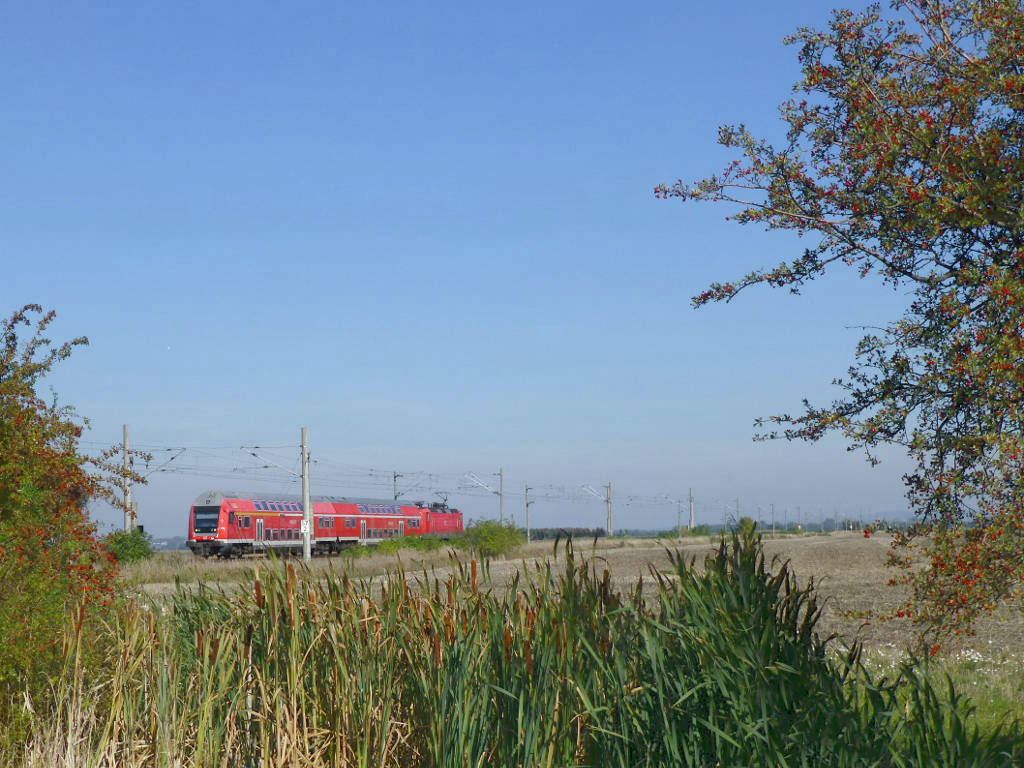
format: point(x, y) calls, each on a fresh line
point(231, 518)
point(205, 519)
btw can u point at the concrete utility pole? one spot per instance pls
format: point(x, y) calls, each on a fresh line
point(394, 477)
point(773, 519)
point(307, 507)
point(691, 510)
point(679, 519)
point(129, 505)
point(528, 503)
point(501, 495)
point(608, 501)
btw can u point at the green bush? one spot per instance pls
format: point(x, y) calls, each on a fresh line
point(489, 538)
point(129, 546)
point(746, 526)
point(53, 571)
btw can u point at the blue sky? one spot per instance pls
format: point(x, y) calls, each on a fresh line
point(427, 232)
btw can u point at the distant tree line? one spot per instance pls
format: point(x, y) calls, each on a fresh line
point(541, 534)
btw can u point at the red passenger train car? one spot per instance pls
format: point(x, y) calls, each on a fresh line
point(227, 524)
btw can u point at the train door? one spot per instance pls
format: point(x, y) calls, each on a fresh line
point(362, 529)
point(259, 529)
point(401, 527)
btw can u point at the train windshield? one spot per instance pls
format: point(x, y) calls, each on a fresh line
point(206, 519)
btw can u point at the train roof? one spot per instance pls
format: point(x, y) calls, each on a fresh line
point(216, 497)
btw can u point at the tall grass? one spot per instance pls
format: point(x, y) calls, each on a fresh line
point(722, 666)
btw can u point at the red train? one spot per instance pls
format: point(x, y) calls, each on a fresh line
point(227, 524)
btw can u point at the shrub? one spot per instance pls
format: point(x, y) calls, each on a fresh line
point(489, 538)
point(129, 546)
point(746, 526)
point(51, 564)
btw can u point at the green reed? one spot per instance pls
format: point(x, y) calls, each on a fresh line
point(712, 664)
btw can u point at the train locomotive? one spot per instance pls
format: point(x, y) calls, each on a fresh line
point(229, 524)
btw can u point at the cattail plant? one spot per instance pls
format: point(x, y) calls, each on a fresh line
point(717, 663)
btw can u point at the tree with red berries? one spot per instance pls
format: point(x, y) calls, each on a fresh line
point(52, 567)
point(904, 160)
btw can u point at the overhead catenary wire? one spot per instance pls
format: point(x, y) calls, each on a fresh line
point(269, 465)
